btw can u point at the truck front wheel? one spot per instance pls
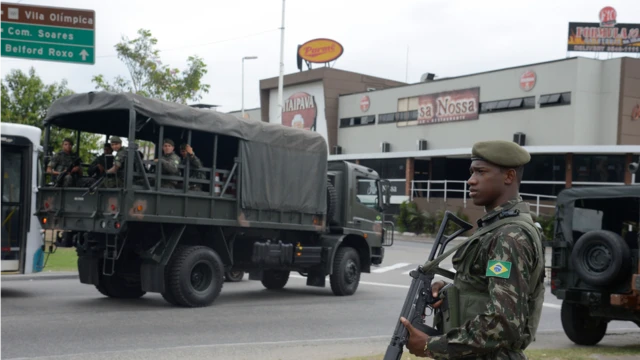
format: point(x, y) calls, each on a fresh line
point(346, 272)
point(196, 276)
point(580, 327)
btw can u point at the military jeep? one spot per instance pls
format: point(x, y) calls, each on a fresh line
point(270, 203)
point(594, 266)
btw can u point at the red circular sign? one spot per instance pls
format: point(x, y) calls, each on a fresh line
point(527, 80)
point(364, 103)
point(300, 111)
point(607, 16)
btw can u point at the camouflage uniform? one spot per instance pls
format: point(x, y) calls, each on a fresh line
point(170, 163)
point(194, 163)
point(499, 277)
point(499, 264)
point(61, 162)
point(119, 160)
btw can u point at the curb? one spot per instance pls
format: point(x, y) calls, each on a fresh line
point(41, 276)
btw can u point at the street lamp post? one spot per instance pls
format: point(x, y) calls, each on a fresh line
point(243, 59)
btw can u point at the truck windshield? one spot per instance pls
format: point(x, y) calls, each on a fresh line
point(368, 192)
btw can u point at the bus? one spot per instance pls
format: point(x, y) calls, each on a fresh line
point(22, 235)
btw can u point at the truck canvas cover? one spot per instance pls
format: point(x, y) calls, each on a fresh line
point(565, 203)
point(282, 168)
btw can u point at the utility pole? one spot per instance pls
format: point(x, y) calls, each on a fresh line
point(280, 80)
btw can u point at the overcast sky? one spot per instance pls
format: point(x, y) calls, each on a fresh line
point(448, 38)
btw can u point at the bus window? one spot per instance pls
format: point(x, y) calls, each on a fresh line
point(12, 166)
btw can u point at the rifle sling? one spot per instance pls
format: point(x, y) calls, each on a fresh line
point(504, 219)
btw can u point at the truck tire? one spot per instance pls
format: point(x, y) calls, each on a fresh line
point(332, 202)
point(234, 276)
point(118, 287)
point(580, 327)
point(196, 276)
point(275, 279)
point(346, 272)
point(601, 257)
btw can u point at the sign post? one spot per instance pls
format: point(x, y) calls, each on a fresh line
point(48, 33)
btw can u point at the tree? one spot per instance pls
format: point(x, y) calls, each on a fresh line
point(150, 78)
point(25, 100)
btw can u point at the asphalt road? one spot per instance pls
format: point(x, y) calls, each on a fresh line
point(65, 319)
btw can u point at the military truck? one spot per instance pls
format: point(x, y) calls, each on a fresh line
point(595, 267)
point(270, 204)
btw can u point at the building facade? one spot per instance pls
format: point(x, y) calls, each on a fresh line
point(578, 117)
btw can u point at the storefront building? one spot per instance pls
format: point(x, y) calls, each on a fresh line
point(578, 117)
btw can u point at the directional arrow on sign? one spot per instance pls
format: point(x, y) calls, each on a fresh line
point(84, 54)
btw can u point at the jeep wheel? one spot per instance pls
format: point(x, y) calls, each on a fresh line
point(234, 276)
point(196, 276)
point(275, 279)
point(119, 287)
point(601, 257)
point(580, 327)
point(346, 272)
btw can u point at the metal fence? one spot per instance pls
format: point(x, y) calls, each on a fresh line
point(444, 187)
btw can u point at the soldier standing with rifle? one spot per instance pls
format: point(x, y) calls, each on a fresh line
point(499, 274)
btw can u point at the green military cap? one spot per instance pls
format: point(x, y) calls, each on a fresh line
point(183, 146)
point(168, 141)
point(501, 153)
point(115, 139)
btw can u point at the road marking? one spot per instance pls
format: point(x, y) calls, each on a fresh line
point(553, 306)
point(206, 346)
point(549, 305)
point(389, 268)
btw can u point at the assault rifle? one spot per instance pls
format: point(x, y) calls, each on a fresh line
point(93, 187)
point(67, 171)
point(420, 295)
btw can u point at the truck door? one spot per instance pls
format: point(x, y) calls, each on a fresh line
point(16, 172)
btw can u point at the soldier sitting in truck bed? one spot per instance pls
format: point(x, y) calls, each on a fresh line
point(188, 156)
point(61, 162)
point(170, 162)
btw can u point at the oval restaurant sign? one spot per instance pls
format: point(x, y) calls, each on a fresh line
point(320, 50)
point(527, 80)
point(300, 111)
point(364, 103)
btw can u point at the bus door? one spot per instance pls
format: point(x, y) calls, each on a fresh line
point(16, 176)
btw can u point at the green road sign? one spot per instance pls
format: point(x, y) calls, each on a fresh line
point(48, 33)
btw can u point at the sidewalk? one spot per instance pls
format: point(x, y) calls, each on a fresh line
point(45, 275)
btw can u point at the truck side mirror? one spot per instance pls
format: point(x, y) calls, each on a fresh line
point(385, 190)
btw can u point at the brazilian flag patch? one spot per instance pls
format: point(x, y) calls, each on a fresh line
point(501, 269)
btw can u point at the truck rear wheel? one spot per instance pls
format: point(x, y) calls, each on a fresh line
point(580, 327)
point(275, 279)
point(196, 274)
point(346, 272)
